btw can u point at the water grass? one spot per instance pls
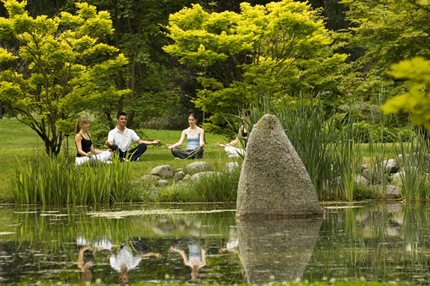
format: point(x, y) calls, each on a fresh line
point(56, 180)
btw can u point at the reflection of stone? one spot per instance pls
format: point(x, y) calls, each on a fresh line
point(276, 250)
point(274, 181)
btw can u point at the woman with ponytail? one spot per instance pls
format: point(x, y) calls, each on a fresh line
point(86, 151)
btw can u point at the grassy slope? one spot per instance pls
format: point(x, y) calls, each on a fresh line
point(20, 143)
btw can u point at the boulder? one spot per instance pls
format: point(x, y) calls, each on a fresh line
point(397, 178)
point(361, 180)
point(198, 167)
point(149, 178)
point(162, 183)
point(391, 166)
point(274, 182)
point(179, 175)
point(164, 171)
point(391, 192)
point(200, 175)
point(231, 166)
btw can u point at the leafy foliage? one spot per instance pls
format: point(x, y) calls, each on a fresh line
point(416, 73)
point(265, 50)
point(387, 32)
point(59, 69)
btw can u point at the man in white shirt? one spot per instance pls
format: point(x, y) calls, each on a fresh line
point(120, 139)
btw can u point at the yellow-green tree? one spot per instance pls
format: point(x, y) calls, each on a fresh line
point(54, 68)
point(416, 73)
point(272, 50)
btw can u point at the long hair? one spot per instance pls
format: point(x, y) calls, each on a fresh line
point(82, 120)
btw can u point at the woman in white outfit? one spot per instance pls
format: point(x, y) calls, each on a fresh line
point(86, 151)
point(234, 152)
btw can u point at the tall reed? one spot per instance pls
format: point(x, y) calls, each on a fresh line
point(324, 142)
point(55, 180)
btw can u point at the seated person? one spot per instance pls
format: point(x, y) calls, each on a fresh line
point(86, 151)
point(195, 141)
point(234, 152)
point(120, 139)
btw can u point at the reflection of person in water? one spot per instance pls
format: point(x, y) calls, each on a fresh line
point(85, 263)
point(124, 261)
point(197, 258)
point(86, 255)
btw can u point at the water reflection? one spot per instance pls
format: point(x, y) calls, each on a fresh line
point(383, 242)
point(276, 250)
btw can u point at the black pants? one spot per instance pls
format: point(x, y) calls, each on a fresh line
point(187, 154)
point(135, 152)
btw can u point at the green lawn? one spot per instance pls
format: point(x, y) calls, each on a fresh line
point(21, 145)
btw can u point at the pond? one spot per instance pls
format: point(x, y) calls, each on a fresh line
point(187, 242)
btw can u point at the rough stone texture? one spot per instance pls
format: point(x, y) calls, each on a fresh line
point(231, 166)
point(163, 171)
point(397, 178)
point(198, 167)
point(162, 183)
point(150, 177)
point(361, 180)
point(277, 250)
point(391, 192)
point(374, 177)
point(187, 177)
point(274, 182)
point(200, 175)
point(391, 166)
point(179, 175)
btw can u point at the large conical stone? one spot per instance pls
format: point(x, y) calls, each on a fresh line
point(274, 181)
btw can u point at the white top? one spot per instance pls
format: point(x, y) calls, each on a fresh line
point(123, 141)
point(124, 256)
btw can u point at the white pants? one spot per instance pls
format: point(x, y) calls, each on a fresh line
point(102, 157)
point(233, 151)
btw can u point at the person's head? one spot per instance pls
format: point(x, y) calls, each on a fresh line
point(121, 118)
point(245, 115)
point(82, 124)
point(124, 274)
point(192, 120)
point(194, 271)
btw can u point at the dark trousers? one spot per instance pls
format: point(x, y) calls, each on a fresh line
point(135, 153)
point(187, 154)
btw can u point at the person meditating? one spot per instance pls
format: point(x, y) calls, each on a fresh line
point(86, 151)
point(234, 152)
point(120, 139)
point(195, 141)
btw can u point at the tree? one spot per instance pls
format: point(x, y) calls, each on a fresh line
point(387, 32)
point(273, 50)
point(60, 68)
point(416, 102)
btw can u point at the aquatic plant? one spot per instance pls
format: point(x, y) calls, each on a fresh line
point(55, 180)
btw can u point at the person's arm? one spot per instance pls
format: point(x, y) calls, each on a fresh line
point(80, 260)
point(78, 141)
point(181, 252)
point(203, 256)
point(202, 137)
point(156, 254)
point(109, 141)
point(155, 142)
point(179, 143)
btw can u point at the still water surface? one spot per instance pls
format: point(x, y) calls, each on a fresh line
point(182, 243)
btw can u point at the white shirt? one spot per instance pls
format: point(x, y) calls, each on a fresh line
point(123, 141)
point(125, 256)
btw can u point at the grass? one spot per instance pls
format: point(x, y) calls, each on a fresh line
point(21, 145)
